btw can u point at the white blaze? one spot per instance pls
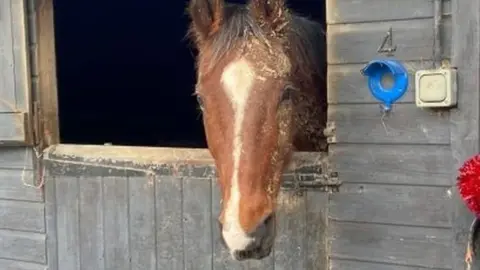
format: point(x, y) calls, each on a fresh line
point(237, 80)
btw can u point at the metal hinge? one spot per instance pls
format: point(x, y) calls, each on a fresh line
point(38, 144)
point(311, 178)
point(36, 116)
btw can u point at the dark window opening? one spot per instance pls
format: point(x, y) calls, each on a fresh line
point(126, 72)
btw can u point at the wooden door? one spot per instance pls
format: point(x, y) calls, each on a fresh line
point(156, 208)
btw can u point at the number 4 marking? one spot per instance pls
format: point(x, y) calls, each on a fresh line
point(387, 44)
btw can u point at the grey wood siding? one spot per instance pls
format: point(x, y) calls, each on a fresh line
point(135, 223)
point(393, 210)
point(465, 119)
point(22, 213)
point(99, 217)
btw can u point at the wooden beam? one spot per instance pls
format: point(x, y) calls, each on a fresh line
point(48, 124)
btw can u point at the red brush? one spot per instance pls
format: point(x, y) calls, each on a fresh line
point(468, 184)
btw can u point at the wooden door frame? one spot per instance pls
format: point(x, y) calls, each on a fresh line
point(46, 122)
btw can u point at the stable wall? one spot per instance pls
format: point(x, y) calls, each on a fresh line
point(396, 207)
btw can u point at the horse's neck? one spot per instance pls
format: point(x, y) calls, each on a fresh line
point(310, 112)
point(308, 61)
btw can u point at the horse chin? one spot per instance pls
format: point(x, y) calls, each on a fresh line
point(266, 250)
point(266, 246)
point(263, 252)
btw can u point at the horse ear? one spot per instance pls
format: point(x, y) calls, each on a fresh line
point(272, 15)
point(206, 16)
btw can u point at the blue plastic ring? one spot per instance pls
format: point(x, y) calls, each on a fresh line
point(376, 70)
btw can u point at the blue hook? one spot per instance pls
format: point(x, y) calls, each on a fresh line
point(376, 70)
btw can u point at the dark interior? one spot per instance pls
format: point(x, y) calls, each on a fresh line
point(126, 72)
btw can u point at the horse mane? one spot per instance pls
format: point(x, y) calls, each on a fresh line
point(307, 46)
point(304, 41)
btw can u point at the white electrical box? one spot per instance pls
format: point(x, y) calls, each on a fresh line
point(436, 88)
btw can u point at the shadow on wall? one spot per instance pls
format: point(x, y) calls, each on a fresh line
point(126, 72)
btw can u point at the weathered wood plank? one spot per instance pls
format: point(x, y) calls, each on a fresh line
point(16, 265)
point(465, 118)
point(169, 218)
point(359, 265)
point(14, 129)
point(290, 243)
point(358, 43)
point(222, 260)
point(346, 84)
point(348, 11)
point(164, 160)
point(51, 222)
point(406, 124)
point(420, 206)
point(68, 220)
point(415, 246)
point(21, 58)
point(7, 75)
point(197, 223)
point(12, 187)
point(47, 78)
point(316, 223)
point(142, 223)
point(14, 74)
point(23, 246)
point(393, 164)
point(115, 223)
point(91, 224)
point(24, 216)
point(16, 158)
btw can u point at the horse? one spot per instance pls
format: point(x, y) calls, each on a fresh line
point(260, 86)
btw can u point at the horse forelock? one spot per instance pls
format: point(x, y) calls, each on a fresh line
point(303, 42)
point(237, 29)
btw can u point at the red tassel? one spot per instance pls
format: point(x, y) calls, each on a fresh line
point(468, 184)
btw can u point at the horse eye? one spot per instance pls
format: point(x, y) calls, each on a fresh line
point(287, 94)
